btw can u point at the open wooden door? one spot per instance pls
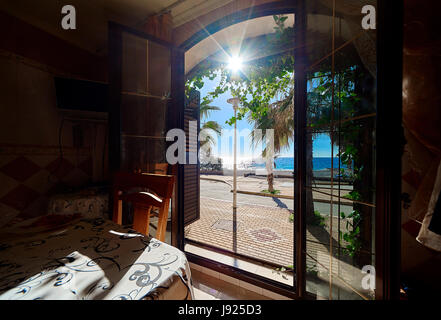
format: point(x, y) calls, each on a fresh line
point(140, 91)
point(146, 100)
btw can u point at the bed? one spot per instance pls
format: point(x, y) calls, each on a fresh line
point(78, 257)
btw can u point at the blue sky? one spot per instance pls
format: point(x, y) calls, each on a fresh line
point(321, 144)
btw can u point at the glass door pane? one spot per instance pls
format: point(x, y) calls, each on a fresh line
point(246, 214)
point(145, 94)
point(340, 151)
point(140, 91)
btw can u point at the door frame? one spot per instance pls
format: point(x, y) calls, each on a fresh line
point(388, 174)
point(390, 146)
point(280, 7)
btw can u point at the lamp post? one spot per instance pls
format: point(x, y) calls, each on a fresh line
point(235, 103)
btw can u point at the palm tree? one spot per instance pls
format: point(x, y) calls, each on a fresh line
point(208, 141)
point(279, 119)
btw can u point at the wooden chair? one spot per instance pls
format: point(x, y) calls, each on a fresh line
point(143, 202)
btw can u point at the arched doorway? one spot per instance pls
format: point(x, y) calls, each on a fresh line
point(334, 202)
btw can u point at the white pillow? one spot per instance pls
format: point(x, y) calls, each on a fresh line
point(89, 206)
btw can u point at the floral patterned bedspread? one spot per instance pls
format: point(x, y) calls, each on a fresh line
point(69, 257)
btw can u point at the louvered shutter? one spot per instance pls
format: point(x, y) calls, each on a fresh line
point(191, 203)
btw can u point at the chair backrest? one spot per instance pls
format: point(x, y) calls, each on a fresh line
point(161, 185)
point(160, 168)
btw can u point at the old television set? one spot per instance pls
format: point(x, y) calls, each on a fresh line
point(81, 95)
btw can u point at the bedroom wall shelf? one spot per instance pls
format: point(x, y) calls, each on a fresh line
point(124, 135)
point(145, 95)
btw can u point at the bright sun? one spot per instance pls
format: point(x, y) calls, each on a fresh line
point(235, 63)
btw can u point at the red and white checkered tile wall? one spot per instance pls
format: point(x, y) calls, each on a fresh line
point(30, 174)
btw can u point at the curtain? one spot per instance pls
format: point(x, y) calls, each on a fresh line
point(422, 111)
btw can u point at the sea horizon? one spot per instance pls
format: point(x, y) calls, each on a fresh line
point(280, 163)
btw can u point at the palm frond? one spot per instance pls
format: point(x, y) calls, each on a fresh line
point(205, 110)
point(280, 118)
point(212, 125)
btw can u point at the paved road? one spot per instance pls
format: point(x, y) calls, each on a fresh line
point(221, 191)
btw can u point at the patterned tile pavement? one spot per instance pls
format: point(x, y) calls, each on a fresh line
point(265, 233)
point(262, 232)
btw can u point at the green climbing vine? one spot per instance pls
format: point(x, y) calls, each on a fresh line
point(352, 234)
